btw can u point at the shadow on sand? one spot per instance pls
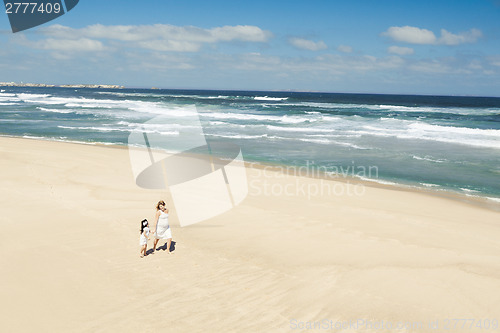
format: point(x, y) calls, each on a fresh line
point(162, 248)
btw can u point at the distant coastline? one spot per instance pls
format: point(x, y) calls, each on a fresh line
point(94, 86)
point(272, 91)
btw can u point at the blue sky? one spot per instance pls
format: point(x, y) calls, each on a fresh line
point(412, 47)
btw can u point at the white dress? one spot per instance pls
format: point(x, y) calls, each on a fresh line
point(144, 236)
point(162, 227)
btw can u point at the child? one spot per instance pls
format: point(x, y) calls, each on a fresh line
point(144, 237)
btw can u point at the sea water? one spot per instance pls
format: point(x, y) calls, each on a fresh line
point(433, 142)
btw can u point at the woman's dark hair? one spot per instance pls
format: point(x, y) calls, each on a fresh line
point(144, 224)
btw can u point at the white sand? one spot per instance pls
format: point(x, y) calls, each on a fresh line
point(70, 261)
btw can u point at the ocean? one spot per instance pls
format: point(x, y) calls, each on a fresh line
point(439, 143)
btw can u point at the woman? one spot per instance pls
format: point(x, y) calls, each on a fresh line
point(162, 228)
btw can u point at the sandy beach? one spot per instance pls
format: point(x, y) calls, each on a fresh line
point(281, 262)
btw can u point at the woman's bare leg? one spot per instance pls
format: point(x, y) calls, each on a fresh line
point(155, 243)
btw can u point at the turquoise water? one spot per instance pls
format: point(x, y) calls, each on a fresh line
point(441, 143)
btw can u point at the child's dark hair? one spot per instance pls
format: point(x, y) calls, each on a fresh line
point(144, 224)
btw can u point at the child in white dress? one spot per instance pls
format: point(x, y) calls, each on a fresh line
point(143, 241)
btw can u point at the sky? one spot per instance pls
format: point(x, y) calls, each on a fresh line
point(440, 47)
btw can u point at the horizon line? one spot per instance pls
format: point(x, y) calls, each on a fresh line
point(121, 87)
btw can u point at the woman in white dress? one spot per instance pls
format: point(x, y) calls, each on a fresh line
point(162, 228)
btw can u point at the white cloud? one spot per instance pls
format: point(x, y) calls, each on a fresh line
point(339, 64)
point(306, 44)
point(169, 45)
point(246, 33)
point(161, 37)
point(446, 65)
point(401, 50)
point(433, 66)
point(257, 62)
point(494, 60)
point(475, 64)
point(158, 62)
point(414, 35)
point(411, 35)
point(344, 48)
point(71, 45)
point(448, 38)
